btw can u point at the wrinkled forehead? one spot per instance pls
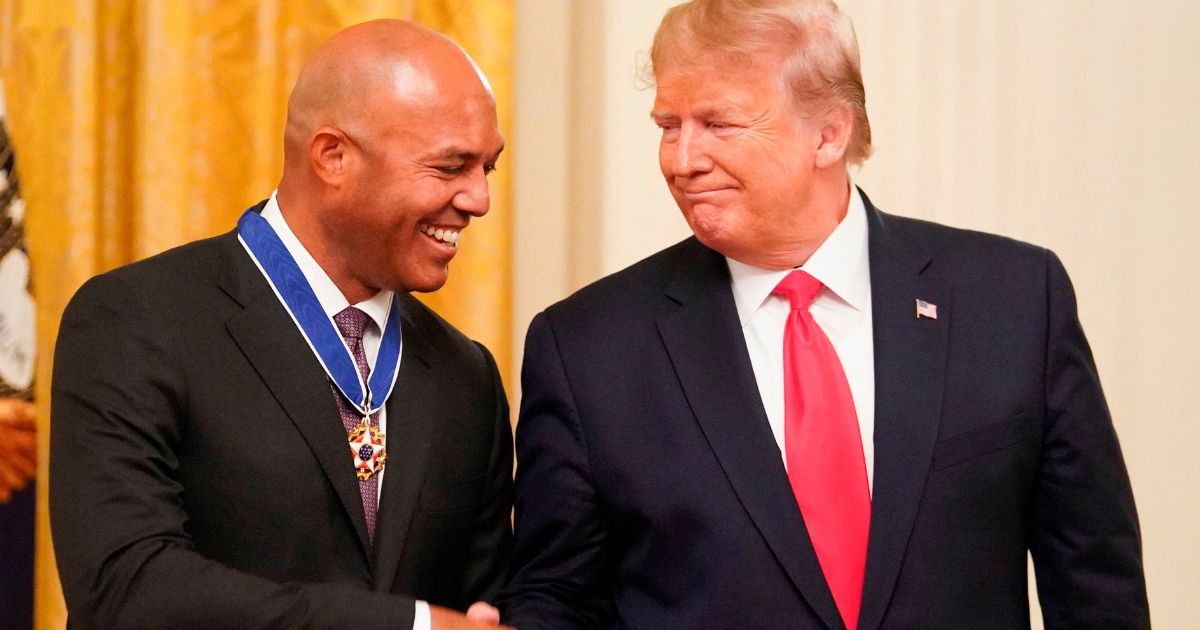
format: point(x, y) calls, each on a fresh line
point(706, 71)
point(696, 60)
point(441, 114)
point(419, 90)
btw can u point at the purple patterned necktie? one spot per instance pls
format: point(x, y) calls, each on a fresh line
point(351, 322)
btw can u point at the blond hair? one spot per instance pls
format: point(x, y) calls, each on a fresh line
point(815, 39)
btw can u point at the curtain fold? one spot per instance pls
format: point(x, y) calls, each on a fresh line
point(147, 124)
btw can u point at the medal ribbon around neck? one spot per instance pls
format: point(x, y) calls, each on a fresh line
point(300, 301)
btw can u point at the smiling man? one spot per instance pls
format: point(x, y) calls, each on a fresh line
point(265, 429)
point(812, 414)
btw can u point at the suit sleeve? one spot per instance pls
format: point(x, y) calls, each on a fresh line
point(560, 578)
point(117, 516)
point(1085, 541)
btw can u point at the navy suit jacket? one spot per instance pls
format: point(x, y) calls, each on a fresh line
point(199, 471)
point(651, 494)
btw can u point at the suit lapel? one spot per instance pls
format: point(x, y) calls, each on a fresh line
point(910, 362)
point(277, 351)
point(412, 411)
point(271, 343)
point(704, 339)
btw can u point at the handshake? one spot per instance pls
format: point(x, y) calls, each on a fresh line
point(479, 615)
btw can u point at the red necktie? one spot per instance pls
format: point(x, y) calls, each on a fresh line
point(824, 448)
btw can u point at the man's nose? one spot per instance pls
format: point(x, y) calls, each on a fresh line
point(691, 152)
point(474, 197)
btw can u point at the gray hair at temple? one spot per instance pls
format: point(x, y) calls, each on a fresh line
point(815, 38)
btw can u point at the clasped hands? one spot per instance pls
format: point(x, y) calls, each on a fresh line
point(480, 615)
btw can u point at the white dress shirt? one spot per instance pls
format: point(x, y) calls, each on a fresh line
point(333, 302)
point(842, 308)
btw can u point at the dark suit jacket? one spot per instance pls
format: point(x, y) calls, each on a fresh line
point(199, 470)
point(651, 494)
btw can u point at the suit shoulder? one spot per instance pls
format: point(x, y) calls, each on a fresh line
point(969, 253)
point(175, 270)
point(441, 334)
point(163, 274)
point(637, 288)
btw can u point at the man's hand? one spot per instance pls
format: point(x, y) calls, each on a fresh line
point(18, 446)
point(479, 616)
point(484, 612)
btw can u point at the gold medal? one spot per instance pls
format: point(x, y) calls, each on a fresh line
point(367, 448)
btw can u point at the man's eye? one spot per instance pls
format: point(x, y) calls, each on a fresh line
point(488, 169)
point(451, 170)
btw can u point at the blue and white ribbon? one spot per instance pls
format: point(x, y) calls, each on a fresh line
point(300, 302)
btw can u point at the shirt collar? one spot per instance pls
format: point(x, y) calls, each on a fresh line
point(840, 263)
point(332, 301)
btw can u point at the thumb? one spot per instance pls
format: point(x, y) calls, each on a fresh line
point(483, 612)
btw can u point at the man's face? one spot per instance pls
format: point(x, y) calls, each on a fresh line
point(737, 155)
point(420, 175)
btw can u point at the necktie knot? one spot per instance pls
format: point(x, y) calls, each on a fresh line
point(351, 322)
point(799, 288)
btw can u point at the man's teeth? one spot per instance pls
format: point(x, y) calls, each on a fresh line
point(450, 237)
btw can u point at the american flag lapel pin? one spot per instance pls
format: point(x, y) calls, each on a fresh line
point(926, 309)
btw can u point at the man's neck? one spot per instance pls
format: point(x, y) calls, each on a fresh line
point(813, 224)
point(304, 226)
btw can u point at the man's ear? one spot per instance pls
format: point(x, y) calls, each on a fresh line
point(328, 151)
point(835, 137)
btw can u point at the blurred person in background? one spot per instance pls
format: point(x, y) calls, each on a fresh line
point(18, 430)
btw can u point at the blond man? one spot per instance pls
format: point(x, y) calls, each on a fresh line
point(812, 414)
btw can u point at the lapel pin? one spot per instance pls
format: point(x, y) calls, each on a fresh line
point(926, 309)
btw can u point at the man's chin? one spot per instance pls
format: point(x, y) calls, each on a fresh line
point(426, 283)
point(716, 241)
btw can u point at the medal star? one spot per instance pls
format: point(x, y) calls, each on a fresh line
point(367, 450)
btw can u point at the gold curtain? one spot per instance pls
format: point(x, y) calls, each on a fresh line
point(146, 124)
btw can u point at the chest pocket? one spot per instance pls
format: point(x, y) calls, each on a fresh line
point(981, 441)
point(456, 496)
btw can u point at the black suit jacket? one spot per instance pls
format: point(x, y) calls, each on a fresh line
point(651, 494)
point(199, 471)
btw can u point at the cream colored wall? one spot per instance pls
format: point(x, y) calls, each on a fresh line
point(585, 156)
point(1075, 126)
point(1072, 125)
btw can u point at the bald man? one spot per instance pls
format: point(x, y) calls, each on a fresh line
point(265, 429)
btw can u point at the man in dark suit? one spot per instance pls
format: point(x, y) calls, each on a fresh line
point(812, 414)
point(215, 463)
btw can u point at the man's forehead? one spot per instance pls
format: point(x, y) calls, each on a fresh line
point(410, 83)
point(700, 108)
point(489, 146)
point(713, 97)
point(719, 91)
point(455, 152)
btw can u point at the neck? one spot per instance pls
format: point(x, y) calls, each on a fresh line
point(812, 224)
point(354, 292)
point(302, 220)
